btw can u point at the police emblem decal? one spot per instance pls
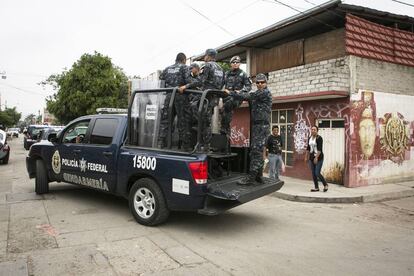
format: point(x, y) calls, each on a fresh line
point(83, 165)
point(56, 162)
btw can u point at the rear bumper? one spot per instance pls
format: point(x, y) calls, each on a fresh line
point(31, 167)
point(225, 195)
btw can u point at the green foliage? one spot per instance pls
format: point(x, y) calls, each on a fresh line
point(92, 82)
point(225, 66)
point(9, 117)
point(29, 120)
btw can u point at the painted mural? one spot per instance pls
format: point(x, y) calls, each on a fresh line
point(382, 148)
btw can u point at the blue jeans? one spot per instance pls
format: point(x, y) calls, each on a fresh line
point(316, 173)
point(275, 163)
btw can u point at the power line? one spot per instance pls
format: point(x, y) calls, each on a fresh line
point(314, 18)
point(404, 3)
point(23, 90)
point(200, 31)
point(208, 19)
point(328, 10)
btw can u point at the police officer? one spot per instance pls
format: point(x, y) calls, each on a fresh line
point(193, 81)
point(212, 77)
point(260, 103)
point(174, 76)
point(236, 81)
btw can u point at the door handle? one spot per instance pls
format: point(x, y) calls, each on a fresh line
point(107, 153)
point(76, 150)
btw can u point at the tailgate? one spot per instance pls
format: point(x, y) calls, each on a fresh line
point(226, 193)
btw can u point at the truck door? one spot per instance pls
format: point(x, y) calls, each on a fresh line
point(98, 159)
point(65, 160)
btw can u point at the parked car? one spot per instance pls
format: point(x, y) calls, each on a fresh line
point(31, 135)
point(44, 133)
point(4, 148)
point(13, 132)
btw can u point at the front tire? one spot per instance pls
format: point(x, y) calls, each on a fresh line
point(6, 159)
point(41, 180)
point(147, 203)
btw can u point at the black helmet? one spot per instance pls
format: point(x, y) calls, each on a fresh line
point(235, 59)
point(211, 53)
point(261, 77)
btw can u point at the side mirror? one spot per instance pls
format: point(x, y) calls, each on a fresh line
point(52, 137)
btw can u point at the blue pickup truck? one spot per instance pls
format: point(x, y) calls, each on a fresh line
point(118, 154)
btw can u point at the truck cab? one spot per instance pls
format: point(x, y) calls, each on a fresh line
point(118, 154)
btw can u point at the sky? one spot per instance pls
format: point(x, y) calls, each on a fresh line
point(43, 37)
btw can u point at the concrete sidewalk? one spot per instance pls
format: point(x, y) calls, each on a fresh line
point(299, 190)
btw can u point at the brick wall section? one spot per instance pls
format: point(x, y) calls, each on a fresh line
point(383, 76)
point(326, 75)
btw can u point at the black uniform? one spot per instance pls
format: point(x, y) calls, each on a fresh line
point(235, 80)
point(260, 103)
point(212, 77)
point(174, 76)
point(191, 113)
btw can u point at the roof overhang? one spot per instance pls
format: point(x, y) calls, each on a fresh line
point(322, 18)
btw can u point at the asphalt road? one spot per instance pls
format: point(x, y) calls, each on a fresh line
point(77, 231)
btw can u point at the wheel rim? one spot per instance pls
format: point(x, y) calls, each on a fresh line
point(144, 203)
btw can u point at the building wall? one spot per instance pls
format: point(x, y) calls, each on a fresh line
point(382, 76)
point(381, 148)
point(327, 75)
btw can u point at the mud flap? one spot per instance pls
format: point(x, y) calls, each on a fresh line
point(227, 194)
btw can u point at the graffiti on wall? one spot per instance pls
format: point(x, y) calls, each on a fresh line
point(238, 136)
point(300, 136)
point(381, 147)
point(394, 136)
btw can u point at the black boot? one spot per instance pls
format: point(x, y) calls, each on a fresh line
point(259, 176)
point(247, 180)
point(259, 179)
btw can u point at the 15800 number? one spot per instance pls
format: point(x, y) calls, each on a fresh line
point(144, 162)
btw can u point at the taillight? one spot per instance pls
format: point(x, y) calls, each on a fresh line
point(199, 171)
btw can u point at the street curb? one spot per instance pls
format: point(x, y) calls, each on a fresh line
point(348, 199)
point(310, 199)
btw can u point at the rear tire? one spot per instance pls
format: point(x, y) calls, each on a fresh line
point(41, 180)
point(147, 203)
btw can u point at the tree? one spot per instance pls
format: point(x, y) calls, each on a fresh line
point(92, 82)
point(29, 119)
point(9, 117)
point(225, 66)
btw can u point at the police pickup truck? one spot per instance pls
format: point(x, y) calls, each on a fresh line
point(118, 154)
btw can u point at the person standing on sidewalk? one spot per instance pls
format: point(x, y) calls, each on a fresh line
point(274, 147)
point(314, 156)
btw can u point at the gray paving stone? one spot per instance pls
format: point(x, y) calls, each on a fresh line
point(184, 256)
point(82, 260)
point(17, 197)
point(204, 269)
point(14, 268)
point(136, 256)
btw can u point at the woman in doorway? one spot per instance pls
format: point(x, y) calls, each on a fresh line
point(314, 156)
